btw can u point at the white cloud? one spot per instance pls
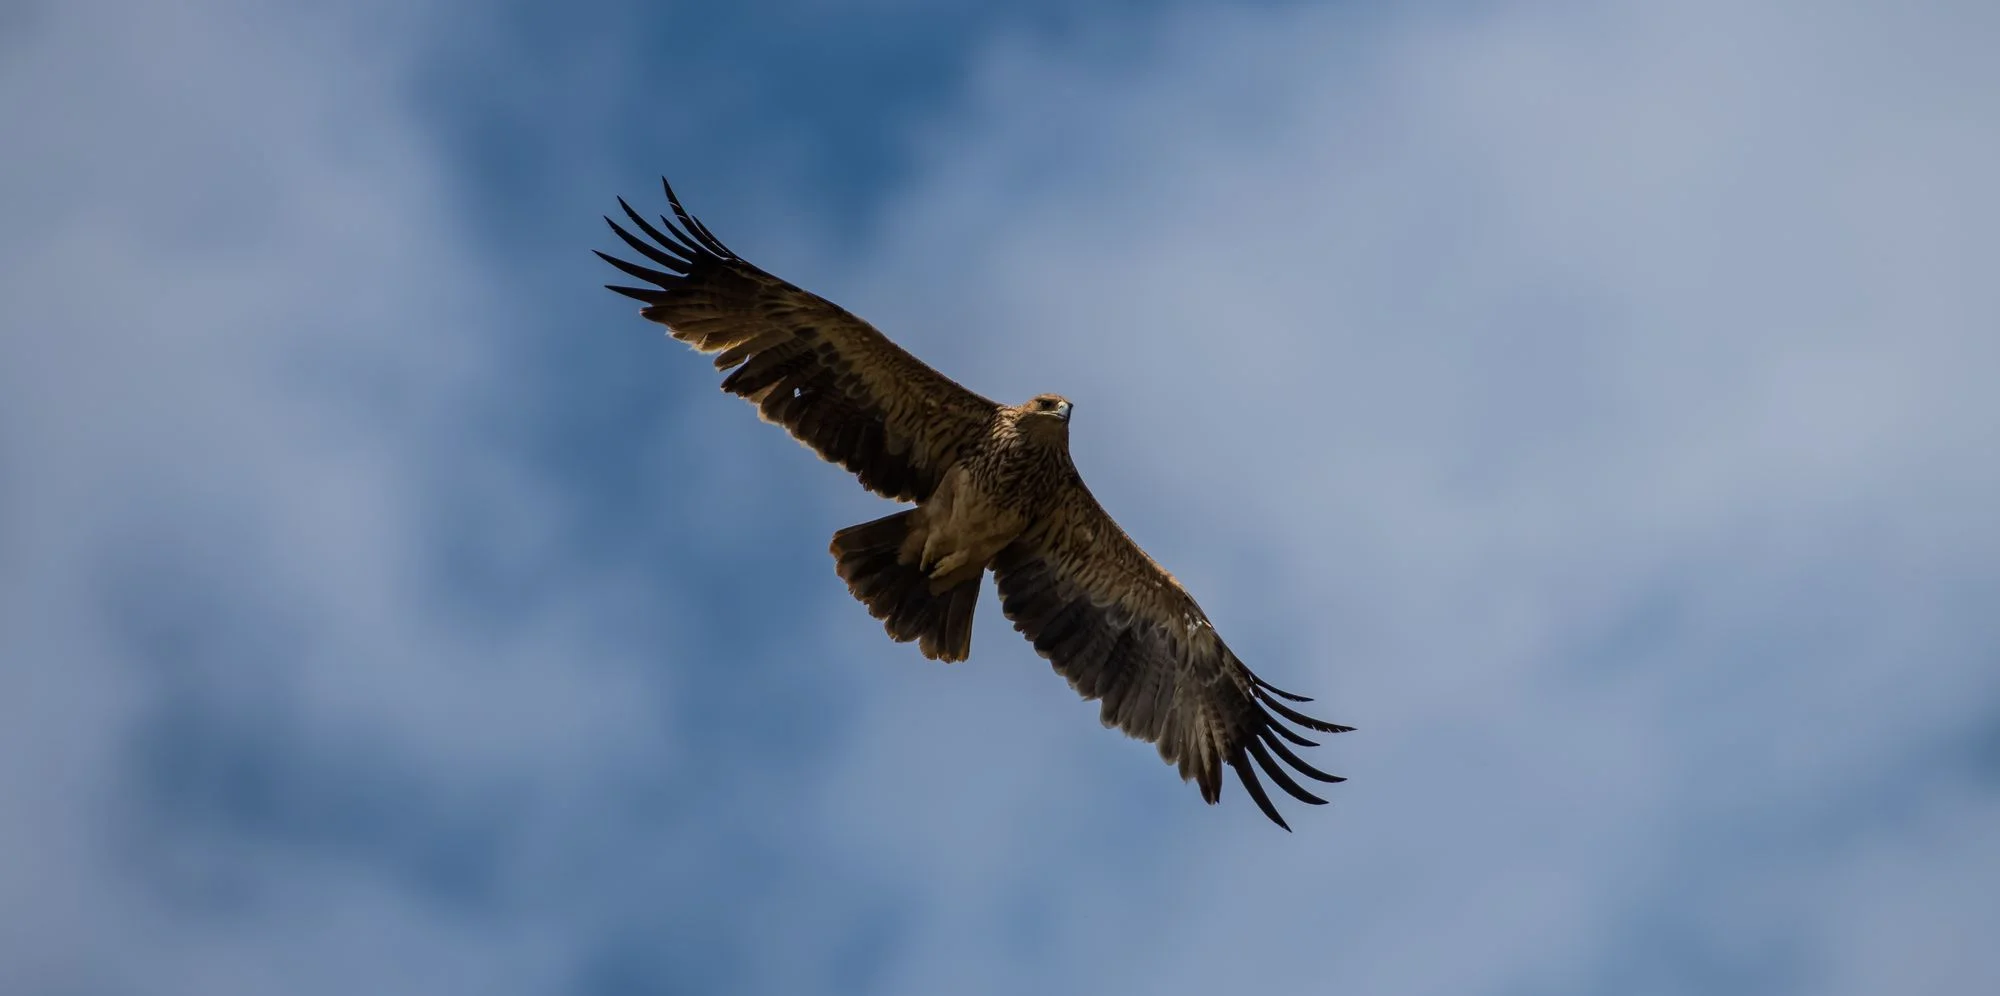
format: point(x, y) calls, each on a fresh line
point(230, 228)
point(1586, 404)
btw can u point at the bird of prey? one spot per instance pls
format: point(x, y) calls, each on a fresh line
point(995, 490)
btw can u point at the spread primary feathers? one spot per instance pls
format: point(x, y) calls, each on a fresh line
point(994, 490)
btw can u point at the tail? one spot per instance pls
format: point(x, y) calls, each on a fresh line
point(869, 558)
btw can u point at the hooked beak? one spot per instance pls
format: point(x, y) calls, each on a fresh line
point(1062, 410)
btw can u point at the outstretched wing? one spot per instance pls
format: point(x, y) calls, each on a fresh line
point(1121, 629)
point(831, 379)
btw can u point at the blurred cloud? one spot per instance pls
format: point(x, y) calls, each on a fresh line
point(254, 728)
point(1587, 403)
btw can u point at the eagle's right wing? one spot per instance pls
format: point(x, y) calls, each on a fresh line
point(1121, 629)
point(832, 380)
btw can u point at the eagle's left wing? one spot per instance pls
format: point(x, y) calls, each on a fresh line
point(1121, 629)
point(832, 380)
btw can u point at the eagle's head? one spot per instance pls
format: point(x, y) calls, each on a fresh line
point(1046, 416)
point(1054, 405)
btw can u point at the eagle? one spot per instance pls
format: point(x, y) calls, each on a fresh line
point(994, 490)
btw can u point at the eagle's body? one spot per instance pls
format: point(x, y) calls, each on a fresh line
point(995, 489)
point(993, 493)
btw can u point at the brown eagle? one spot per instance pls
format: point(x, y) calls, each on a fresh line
point(994, 489)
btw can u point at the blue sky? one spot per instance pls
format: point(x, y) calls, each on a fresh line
point(1591, 403)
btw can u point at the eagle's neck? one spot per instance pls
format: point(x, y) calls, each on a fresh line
point(1027, 460)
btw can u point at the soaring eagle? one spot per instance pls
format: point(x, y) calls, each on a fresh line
point(994, 489)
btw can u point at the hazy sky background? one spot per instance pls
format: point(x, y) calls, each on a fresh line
point(1591, 403)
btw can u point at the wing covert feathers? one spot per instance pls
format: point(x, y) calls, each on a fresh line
point(1123, 631)
point(833, 381)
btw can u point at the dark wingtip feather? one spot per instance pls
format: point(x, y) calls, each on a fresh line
point(1293, 737)
point(647, 295)
point(1248, 776)
point(694, 226)
point(1301, 718)
point(674, 201)
point(675, 241)
point(1275, 690)
point(671, 258)
point(1293, 759)
point(1278, 775)
point(709, 238)
point(634, 269)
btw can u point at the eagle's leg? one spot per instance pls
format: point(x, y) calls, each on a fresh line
point(952, 564)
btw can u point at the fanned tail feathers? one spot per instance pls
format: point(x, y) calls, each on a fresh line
point(869, 558)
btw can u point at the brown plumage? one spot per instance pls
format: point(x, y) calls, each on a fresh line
point(994, 490)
